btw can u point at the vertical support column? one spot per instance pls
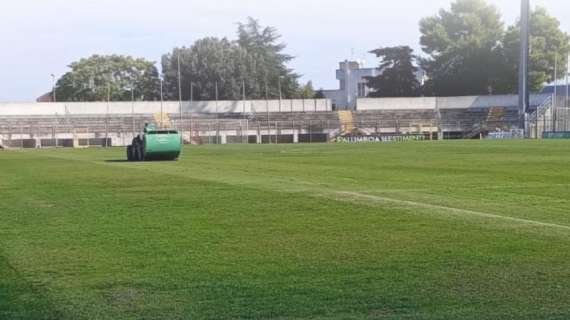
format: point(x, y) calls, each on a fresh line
point(247, 131)
point(55, 136)
point(310, 132)
point(209, 133)
point(259, 139)
point(438, 120)
point(524, 96)
point(277, 132)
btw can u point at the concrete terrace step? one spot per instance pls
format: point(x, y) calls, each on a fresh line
point(452, 119)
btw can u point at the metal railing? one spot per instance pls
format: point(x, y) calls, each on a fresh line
point(550, 117)
point(79, 132)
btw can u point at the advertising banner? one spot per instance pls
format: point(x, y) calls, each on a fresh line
point(556, 135)
point(378, 138)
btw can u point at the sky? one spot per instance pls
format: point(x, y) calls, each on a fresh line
point(42, 37)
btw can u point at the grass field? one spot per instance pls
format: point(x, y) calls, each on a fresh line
point(432, 230)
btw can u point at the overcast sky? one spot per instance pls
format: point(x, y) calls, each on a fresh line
point(41, 37)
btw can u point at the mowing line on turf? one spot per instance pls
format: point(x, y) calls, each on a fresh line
point(368, 197)
point(362, 196)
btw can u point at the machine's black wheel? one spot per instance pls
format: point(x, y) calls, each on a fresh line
point(136, 152)
point(139, 152)
point(130, 155)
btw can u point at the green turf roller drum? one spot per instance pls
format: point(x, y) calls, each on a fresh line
point(155, 145)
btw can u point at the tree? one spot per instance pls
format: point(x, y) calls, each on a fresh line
point(547, 41)
point(398, 78)
point(255, 59)
point(208, 63)
point(463, 47)
point(99, 77)
point(267, 61)
point(307, 91)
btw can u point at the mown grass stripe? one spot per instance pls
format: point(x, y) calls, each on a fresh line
point(364, 196)
point(324, 192)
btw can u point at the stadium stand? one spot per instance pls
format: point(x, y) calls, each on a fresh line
point(101, 124)
point(397, 121)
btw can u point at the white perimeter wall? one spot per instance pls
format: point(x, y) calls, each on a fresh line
point(97, 108)
point(430, 103)
point(395, 104)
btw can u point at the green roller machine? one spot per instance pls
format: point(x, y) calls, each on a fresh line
point(155, 145)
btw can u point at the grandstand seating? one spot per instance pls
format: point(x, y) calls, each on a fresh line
point(310, 126)
point(475, 121)
point(416, 121)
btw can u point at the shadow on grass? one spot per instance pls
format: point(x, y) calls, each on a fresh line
point(146, 161)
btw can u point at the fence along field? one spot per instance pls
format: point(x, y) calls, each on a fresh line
point(275, 121)
point(423, 230)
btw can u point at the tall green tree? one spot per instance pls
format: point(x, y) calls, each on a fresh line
point(207, 64)
point(255, 60)
point(398, 77)
point(463, 48)
point(268, 63)
point(547, 41)
point(98, 77)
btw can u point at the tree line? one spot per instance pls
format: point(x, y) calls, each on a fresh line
point(254, 65)
point(467, 50)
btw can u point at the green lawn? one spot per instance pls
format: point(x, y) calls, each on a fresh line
point(430, 230)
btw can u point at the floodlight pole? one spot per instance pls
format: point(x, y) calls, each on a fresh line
point(216, 95)
point(243, 95)
point(161, 103)
point(280, 93)
point(53, 87)
point(190, 109)
point(524, 96)
point(267, 109)
point(217, 115)
point(555, 92)
point(555, 80)
point(567, 79)
point(133, 108)
point(179, 88)
point(107, 115)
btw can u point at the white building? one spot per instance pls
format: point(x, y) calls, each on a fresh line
point(353, 84)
